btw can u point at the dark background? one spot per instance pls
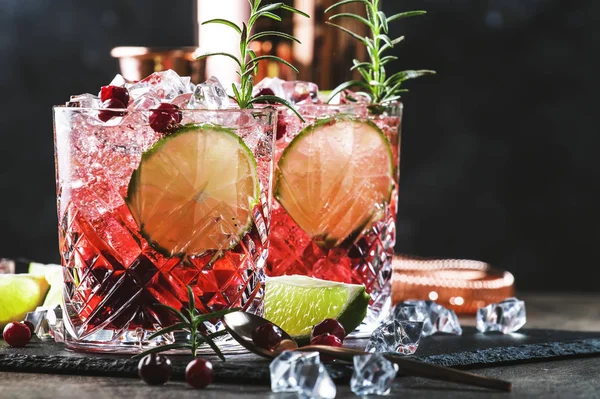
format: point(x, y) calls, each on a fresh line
point(500, 148)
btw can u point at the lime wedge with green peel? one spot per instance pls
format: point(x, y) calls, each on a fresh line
point(296, 303)
point(20, 294)
point(54, 276)
point(335, 177)
point(194, 190)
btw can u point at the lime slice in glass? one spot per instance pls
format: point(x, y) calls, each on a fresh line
point(19, 294)
point(194, 191)
point(335, 177)
point(296, 303)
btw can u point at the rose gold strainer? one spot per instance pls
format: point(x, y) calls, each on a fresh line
point(459, 284)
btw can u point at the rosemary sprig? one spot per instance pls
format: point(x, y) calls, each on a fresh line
point(248, 60)
point(191, 321)
point(378, 86)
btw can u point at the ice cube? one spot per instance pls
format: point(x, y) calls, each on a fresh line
point(300, 92)
point(166, 84)
point(209, 95)
point(314, 382)
point(86, 100)
point(47, 323)
point(435, 317)
point(506, 317)
point(396, 336)
point(7, 266)
point(373, 375)
point(273, 84)
point(350, 97)
point(118, 80)
point(285, 369)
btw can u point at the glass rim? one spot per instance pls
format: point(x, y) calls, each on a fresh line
point(264, 110)
point(348, 105)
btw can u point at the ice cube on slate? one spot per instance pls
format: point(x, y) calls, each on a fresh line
point(505, 317)
point(396, 336)
point(314, 382)
point(285, 369)
point(435, 317)
point(209, 95)
point(47, 323)
point(373, 375)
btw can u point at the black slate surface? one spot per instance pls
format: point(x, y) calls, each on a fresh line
point(470, 350)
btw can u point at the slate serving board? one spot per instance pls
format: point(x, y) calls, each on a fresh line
point(470, 350)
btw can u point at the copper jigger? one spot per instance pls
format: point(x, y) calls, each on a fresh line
point(138, 62)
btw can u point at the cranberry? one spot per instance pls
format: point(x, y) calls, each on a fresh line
point(265, 92)
point(113, 103)
point(326, 339)
point(116, 92)
point(199, 373)
point(155, 369)
point(30, 326)
point(331, 326)
point(281, 126)
point(165, 117)
point(267, 336)
point(16, 334)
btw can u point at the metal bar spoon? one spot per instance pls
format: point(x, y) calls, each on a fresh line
point(240, 326)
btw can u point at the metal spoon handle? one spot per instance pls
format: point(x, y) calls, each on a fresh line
point(418, 368)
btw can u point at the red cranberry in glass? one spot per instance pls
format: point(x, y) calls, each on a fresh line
point(199, 373)
point(281, 126)
point(155, 369)
point(105, 114)
point(265, 92)
point(267, 336)
point(165, 117)
point(30, 326)
point(16, 334)
point(116, 92)
point(330, 326)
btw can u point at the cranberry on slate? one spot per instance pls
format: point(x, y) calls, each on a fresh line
point(116, 92)
point(16, 334)
point(155, 369)
point(105, 114)
point(331, 326)
point(267, 336)
point(199, 373)
point(30, 326)
point(165, 117)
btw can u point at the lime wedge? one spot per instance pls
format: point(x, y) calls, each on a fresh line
point(296, 303)
point(334, 178)
point(19, 294)
point(194, 191)
point(54, 276)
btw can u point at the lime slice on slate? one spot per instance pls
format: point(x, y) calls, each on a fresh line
point(334, 178)
point(194, 190)
point(296, 303)
point(20, 294)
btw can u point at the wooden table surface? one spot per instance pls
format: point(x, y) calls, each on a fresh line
point(572, 378)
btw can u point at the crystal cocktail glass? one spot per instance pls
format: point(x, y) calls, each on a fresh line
point(143, 214)
point(336, 190)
